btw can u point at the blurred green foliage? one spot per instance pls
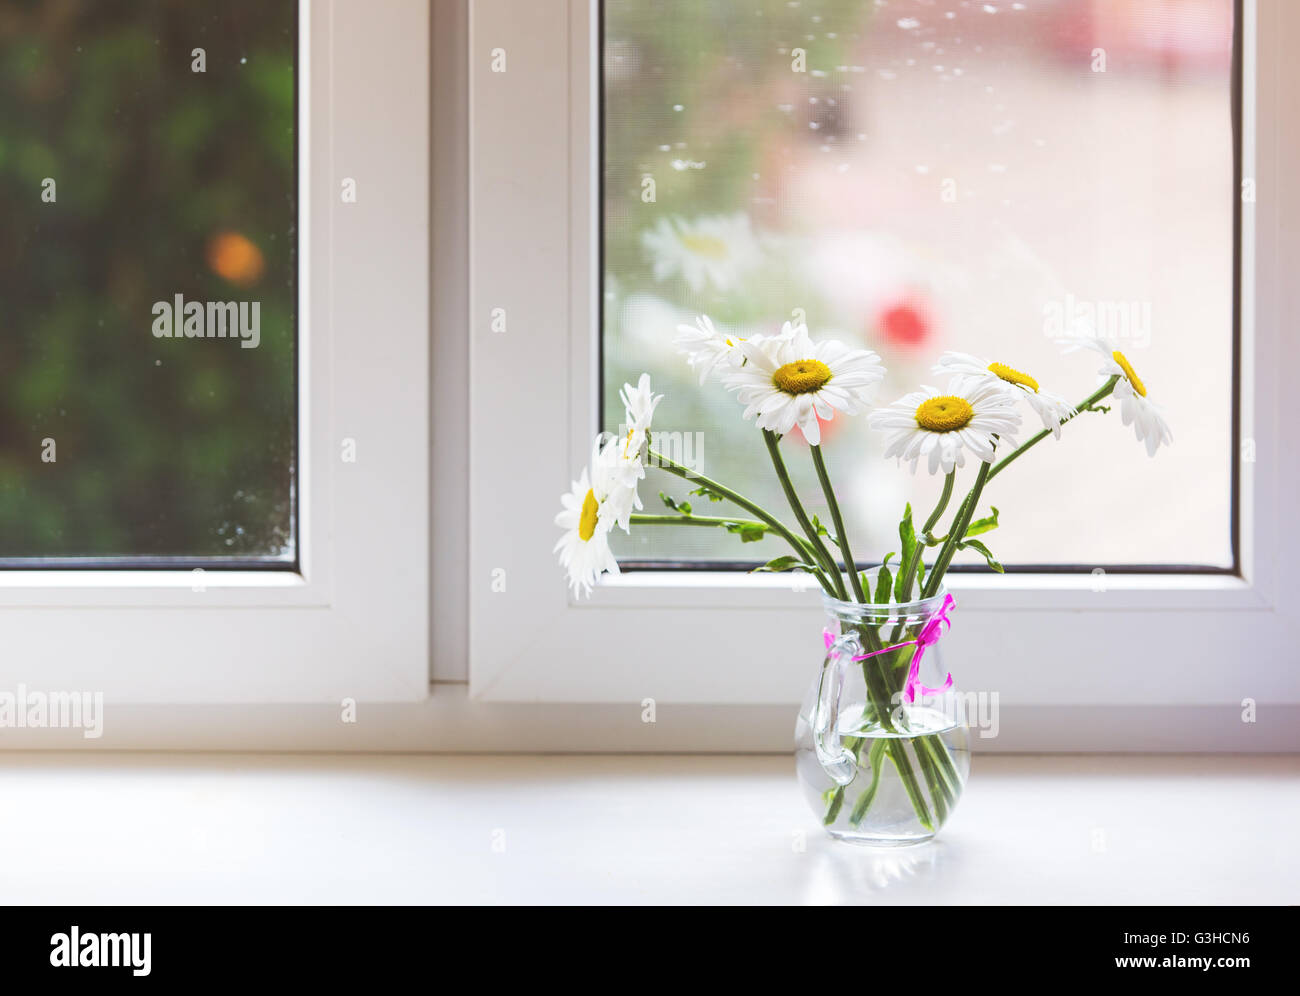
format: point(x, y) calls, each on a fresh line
point(164, 447)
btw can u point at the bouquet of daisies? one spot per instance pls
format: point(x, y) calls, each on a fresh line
point(790, 380)
point(887, 748)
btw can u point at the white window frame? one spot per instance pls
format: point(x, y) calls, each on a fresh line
point(1046, 640)
point(353, 621)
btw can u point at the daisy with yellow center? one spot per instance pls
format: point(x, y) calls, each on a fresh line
point(716, 251)
point(1051, 409)
point(1136, 409)
point(941, 428)
point(587, 518)
point(788, 380)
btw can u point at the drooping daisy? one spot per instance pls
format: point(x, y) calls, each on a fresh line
point(789, 380)
point(716, 250)
point(1050, 408)
point(942, 427)
point(1135, 408)
point(587, 520)
point(622, 460)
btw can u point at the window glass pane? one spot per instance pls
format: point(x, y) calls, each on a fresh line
point(918, 176)
point(148, 272)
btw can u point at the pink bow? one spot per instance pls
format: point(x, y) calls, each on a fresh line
point(935, 627)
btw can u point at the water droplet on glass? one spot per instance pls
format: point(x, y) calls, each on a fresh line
point(908, 23)
point(678, 107)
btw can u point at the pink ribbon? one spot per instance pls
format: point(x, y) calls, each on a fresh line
point(935, 627)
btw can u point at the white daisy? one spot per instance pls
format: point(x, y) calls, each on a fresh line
point(587, 521)
point(1050, 408)
point(789, 380)
point(622, 458)
point(716, 250)
point(941, 427)
point(705, 347)
point(1135, 408)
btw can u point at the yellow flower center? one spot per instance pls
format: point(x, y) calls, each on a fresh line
point(1013, 376)
point(705, 245)
point(801, 377)
point(627, 443)
point(1129, 372)
point(587, 520)
point(944, 414)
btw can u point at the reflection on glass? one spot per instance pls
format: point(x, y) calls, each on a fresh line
point(916, 176)
point(148, 275)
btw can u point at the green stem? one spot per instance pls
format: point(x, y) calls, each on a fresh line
point(909, 569)
point(940, 752)
point(693, 520)
point(898, 754)
point(942, 506)
point(772, 522)
point(960, 523)
point(1085, 405)
point(841, 534)
point(933, 780)
point(875, 757)
point(796, 506)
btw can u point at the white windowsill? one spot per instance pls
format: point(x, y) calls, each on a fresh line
point(1113, 829)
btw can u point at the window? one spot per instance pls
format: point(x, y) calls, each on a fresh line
point(150, 269)
point(183, 165)
point(1047, 637)
point(914, 177)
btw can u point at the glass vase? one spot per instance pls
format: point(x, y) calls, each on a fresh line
point(882, 750)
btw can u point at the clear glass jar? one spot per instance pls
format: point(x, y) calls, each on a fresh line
point(882, 753)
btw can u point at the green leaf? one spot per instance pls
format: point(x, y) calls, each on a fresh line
point(907, 536)
point(703, 489)
point(684, 507)
point(749, 532)
point(866, 580)
point(977, 545)
point(786, 563)
point(884, 582)
point(983, 525)
point(821, 530)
